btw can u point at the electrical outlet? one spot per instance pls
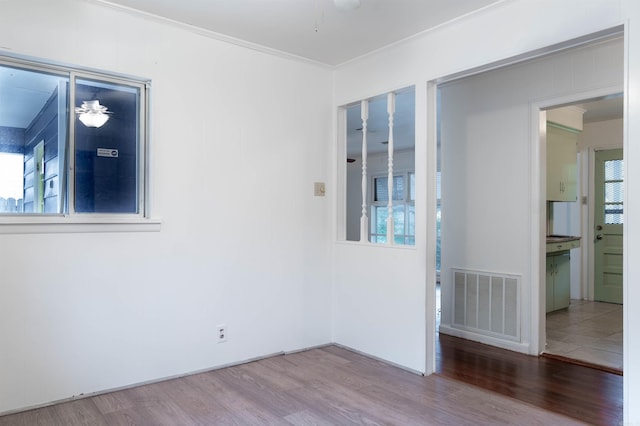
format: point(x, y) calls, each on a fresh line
point(222, 333)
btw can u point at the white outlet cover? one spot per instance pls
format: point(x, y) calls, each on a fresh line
point(222, 332)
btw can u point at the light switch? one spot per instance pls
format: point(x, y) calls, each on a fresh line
point(318, 189)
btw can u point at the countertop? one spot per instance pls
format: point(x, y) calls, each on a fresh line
point(561, 238)
point(560, 243)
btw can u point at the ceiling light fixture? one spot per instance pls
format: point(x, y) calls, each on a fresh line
point(92, 114)
point(347, 4)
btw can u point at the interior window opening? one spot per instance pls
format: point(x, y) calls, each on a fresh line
point(380, 142)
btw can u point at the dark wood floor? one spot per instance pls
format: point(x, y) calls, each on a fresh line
point(583, 393)
point(325, 386)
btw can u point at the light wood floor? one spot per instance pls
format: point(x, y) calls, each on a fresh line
point(322, 386)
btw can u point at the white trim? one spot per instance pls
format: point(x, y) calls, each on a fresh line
point(385, 361)
point(487, 340)
point(537, 186)
point(66, 224)
point(377, 245)
point(607, 34)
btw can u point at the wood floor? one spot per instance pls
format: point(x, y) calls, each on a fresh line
point(591, 395)
point(332, 385)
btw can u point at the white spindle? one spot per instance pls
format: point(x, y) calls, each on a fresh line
point(364, 220)
point(391, 109)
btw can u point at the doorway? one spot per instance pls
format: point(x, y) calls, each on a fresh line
point(492, 259)
point(588, 329)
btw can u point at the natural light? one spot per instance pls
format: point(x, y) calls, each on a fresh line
point(11, 166)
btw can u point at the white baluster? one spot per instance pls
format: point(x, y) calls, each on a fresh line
point(391, 109)
point(364, 220)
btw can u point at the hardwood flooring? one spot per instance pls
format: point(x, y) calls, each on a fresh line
point(591, 395)
point(330, 386)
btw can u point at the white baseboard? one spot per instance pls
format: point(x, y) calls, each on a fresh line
point(487, 340)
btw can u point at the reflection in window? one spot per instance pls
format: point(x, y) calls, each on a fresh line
point(33, 123)
point(106, 178)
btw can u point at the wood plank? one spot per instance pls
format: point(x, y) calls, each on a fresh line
point(323, 386)
point(583, 393)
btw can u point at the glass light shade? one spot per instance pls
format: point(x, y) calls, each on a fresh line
point(93, 119)
point(92, 114)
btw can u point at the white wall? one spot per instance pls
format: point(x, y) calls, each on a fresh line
point(506, 30)
point(237, 139)
point(607, 134)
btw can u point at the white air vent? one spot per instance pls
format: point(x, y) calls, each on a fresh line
point(487, 303)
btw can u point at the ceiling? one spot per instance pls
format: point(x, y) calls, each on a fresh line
point(23, 94)
point(313, 29)
point(607, 108)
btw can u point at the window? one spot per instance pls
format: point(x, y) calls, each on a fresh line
point(403, 209)
point(72, 143)
point(613, 192)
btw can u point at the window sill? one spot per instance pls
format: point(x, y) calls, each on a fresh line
point(380, 245)
point(78, 224)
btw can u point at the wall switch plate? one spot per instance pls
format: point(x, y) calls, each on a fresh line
point(222, 333)
point(318, 189)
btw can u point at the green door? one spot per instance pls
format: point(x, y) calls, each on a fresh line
point(38, 178)
point(608, 222)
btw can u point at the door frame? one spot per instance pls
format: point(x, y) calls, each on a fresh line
point(538, 166)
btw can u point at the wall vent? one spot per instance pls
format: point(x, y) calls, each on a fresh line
point(487, 303)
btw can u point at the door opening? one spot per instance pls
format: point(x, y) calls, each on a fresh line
point(578, 326)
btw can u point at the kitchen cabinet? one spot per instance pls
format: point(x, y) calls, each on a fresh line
point(561, 162)
point(558, 280)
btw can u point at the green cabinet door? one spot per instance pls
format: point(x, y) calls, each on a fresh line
point(561, 163)
point(562, 281)
point(558, 283)
point(550, 270)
